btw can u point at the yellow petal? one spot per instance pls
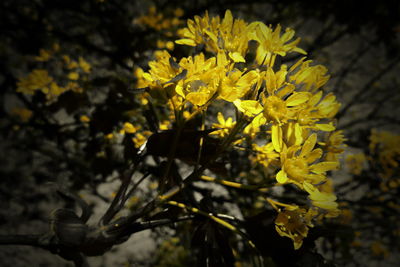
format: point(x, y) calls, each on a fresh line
point(277, 137)
point(73, 76)
point(189, 42)
point(298, 133)
point(147, 77)
point(323, 167)
point(281, 177)
point(297, 99)
point(237, 57)
point(309, 145)
point(325, 127)
point(314, 155)
point(198, 98)
point(179, 90)
point(129, 128)
point(248, 107)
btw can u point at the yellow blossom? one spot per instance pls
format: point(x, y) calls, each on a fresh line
point(225, 125)
point(386, 146)
point(23, 113)
point(44, 55)
point(129, 128)
point(84, 65)
point(323, 200)
point(271, 42)
point(334, 146)
point(293, 221)
point(300, 167)
point(356, 162)
point(265, 154)
point(84, 118)
point(38, 79)
point(140, 138)
point(73, 76)
point(312, 77)
point(228, 35)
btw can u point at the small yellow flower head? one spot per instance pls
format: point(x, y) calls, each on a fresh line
point(227, 35)
point(73, 76)
point(140, 138)
point(275, 109)
point(84, 118)
point(225, 125)
point(84, 65)
point(334, 146)
point(297, 168)
point(293, 221)
point(38, 79)
point(44, 55)
point(129, 128)
point(160, 21)
point(271, 42)
point(356, 162)
point(323, 200)
point(385, 146)
point(23, 113)
point(312, 77)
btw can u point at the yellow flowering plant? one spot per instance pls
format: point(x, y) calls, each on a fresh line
point(284, 110)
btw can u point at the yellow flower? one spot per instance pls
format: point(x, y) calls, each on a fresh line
point(129, 128)
point(140, 138)
point(44, 55)
point(265, 155)
point(161, 75)
point(236, 84)
point(315, 112)
point(334, 146)
point(356, 162)
point(158, 21)
point(84, 118)
point(84, 65)
point(313, 77)
point(54, 91)
point(225, 125)
point(38, 79)
point(178, 12)
point(323, 200)
point(280, 97)
point(293, 222)
point(202, 79)
point(73, 76)
point(271, 42)
point(23, 113)
point(385, 145)
point(249, 107)
point(300, 167)
point(228, 35)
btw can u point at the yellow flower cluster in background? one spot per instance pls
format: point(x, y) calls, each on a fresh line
point(74, 73)
point(159, 21)
point(386, 146)
point(286, 120)
point(384, 151)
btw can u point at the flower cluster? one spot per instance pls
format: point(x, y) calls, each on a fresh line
point(159, 21)
point(282, 115)
point(49, 84)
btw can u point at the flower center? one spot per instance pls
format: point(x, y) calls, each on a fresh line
point(275, 109)
point(297, 168)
